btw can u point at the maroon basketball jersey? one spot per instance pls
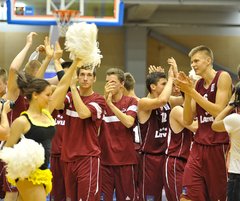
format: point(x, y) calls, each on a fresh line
point(115, 139)
point(154, 131)
point(136, 135)
point(59, 118)
point(80, 135)
point(21, 104)
point(179, 144)
point(205, 135)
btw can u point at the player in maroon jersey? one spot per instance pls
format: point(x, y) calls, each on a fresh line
point(153, 115)
point(58, 183)
point(116, 141)
point(128, 90)
point(80, 146)
point(205, 175)
point(179, 141)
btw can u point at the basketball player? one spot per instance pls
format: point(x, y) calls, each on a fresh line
point(153, 115)
point(116, 141)
point(205, 175)
point(179, 141)
point(80, 147)
point(58, 182)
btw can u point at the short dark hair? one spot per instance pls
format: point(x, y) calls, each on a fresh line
point(129, 81)
point(153, 78)
point(118, 72)
point(86, 68)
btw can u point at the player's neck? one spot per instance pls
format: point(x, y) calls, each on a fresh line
point(208, 76)
point(117, 97)
point(131, 94)
point(86, 92)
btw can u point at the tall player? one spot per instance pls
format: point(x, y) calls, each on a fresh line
point(118, 154)
point(205, 175)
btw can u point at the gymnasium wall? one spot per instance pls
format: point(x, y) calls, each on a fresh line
point(111, 44)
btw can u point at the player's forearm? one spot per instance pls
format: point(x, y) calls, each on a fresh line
point(63, 85)
point(188, 113)
point(43, 67)
point(82, 110)
point(4, 128)
point(126, 120)
point(166, 93)
point(212, 108)
point(18, 60)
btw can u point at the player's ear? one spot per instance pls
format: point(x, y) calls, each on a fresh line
point(122, 84)
point(153, 87)
point(94, 79)
point(209, 60)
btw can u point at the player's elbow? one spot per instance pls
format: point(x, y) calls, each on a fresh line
point(129, 123)
point(163, 101)
point(215, 127)
point(13, 68)
point(4, 136)
point(187, 122)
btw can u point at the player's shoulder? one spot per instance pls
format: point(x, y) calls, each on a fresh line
point(224, 75)
point(130, 100)
point(97, 96)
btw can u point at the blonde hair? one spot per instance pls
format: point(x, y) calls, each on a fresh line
point(32, 66)
point(204, 49)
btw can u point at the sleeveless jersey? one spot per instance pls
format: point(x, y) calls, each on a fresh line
point(80, 135)
point(179, 144)
point(115, 139)
point(42, 133)
point(154, 131)
point(21, 104)
point(136, 135)
point(59, 117)
point(205, 135)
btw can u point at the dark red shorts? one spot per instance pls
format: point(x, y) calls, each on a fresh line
point(205, 174)
point(58, 192)
point(151, 177)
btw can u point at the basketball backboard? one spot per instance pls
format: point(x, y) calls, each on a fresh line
point(39, 12)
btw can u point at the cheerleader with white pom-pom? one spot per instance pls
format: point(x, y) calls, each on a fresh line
point(27, 160)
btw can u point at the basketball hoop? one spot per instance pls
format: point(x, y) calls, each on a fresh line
point(64, 19)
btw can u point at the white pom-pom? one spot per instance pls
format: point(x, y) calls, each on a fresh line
point(81, 41)
point(24, 158)
point(193, 75)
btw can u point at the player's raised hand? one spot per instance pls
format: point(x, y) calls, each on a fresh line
point(58, 51)
point(41, 49)
point(30, 39)
point(171, 61)
point(170, 72)
point(153, 68)
point(48, 48)
point(74, 80)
